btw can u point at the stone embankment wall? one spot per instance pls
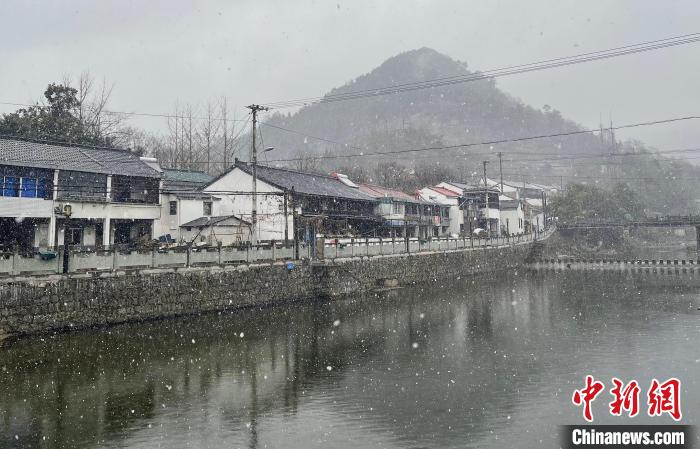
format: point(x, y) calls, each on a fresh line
point(38, 304)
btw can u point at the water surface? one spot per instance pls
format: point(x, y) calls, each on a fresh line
point(482, 363)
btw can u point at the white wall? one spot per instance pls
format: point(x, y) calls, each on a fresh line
point(270, 210)
point(117, 211)
point(513, 220)
point(25, 207)
point(455, 214)
point(188, 209)
point(167, 224)
point(456, 219)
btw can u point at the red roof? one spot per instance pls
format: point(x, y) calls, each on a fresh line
point(385, 192)
point(444, 191)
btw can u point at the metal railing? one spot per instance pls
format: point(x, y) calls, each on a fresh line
point(113, 259)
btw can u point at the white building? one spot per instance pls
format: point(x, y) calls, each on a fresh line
point(478, 206)
point(324, 205)
point(182, 202)
point(404, 215)
point(512, 217)
point(232, 188)
point(112, 195)
point(446, 196)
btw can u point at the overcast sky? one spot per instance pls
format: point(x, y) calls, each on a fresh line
point(160, 52)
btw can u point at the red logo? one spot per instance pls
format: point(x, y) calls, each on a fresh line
point(662, 397)
point(626, 398)
point(587, 395)
point(665, 398)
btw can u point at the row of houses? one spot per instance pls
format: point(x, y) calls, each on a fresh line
point(53, 195)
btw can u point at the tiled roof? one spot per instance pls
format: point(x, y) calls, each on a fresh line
point(460, 185)
point(385, 192)
point(183, 181)
point(172, 176)
point(444, 191)
point(27, 153)
point(306, 183)
point(225, 220)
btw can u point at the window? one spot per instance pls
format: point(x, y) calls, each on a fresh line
point(26, 182)
point(29, 187)
point(74, 236)
point(207, 208)
point(11, 186)
point(173, 208)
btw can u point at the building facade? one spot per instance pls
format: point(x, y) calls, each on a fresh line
point(182, 202)
point(85, 196)
point(290, 201)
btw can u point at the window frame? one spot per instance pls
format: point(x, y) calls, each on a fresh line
point(207, 208)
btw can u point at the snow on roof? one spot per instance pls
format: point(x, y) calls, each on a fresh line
point(386, 192)
point(444, 191)
point(344, 179)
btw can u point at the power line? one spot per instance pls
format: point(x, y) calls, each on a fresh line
point(437, 82)
point(322, 139)
point(605, 178)
point(504, 71)
point(490, 142)
point(556, 157)
point(571, 156)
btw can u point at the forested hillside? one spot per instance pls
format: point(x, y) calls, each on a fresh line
point(469, 112)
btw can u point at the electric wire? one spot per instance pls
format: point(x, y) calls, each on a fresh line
point(503, 71)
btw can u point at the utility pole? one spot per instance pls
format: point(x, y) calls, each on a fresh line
point(254, 109)
point(500, 168)
point(485, 183)
point(486, 199)
point(286, 219)
point(544, 209)
point(295, 225)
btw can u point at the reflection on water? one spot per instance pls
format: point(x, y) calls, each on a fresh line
point(479, 363)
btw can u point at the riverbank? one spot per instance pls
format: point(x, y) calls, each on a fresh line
point(30, 305)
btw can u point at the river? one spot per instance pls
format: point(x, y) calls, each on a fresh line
point(488, 362)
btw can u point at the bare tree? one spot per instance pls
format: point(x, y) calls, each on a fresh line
point(92, 109)
point(208, 135)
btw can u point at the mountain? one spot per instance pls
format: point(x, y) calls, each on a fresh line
point(455, 114)
point(466, 112)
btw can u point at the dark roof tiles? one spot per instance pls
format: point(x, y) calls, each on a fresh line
point(306, 183)
point(26, 153)
point(190, 176)
point(225, 220)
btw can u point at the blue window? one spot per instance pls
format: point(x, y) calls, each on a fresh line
point(29, 187)
point(10, 186)
point(43, 189)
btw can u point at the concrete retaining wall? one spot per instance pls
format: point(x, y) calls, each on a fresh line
point(32, 305)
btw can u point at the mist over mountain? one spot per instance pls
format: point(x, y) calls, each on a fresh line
point(449, 115)
point(463, 113)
